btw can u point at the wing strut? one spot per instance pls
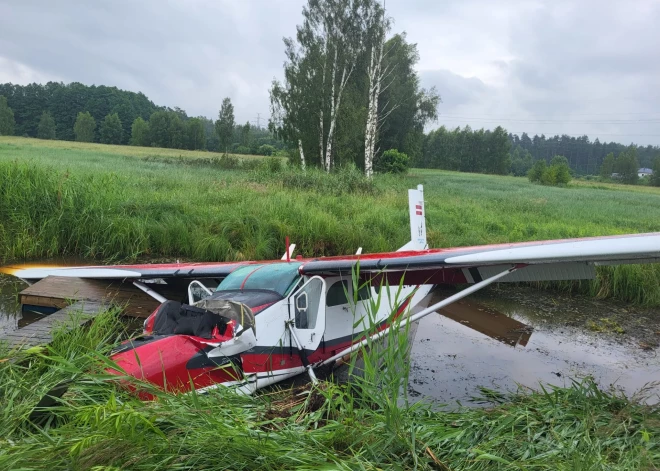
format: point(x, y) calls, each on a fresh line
point(157, 296)
point(426, 312)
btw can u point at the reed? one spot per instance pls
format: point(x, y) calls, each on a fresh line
point(363, 425)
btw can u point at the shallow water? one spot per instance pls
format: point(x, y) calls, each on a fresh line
point(10, 310)
point(450, 361)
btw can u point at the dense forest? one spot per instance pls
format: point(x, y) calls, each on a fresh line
point(63, 102)
point(584, 156)
point(486, 151)
point(106, 114)
point(466, 150)
point(109, 115)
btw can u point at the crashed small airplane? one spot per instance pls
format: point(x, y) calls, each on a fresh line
point(253, 324)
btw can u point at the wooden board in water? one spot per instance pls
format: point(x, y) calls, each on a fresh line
point(59, 292)
point(40, 332)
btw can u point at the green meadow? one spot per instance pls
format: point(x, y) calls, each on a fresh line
point(120, 203)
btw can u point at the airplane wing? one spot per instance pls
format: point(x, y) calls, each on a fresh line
point(146, 271)
point(567, 259)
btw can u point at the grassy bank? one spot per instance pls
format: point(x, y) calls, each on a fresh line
point(97, 425)
point(109, 203)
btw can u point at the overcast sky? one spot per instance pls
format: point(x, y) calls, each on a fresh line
point(578, 67)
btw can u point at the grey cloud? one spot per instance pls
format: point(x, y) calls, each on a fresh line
point(187, 54)
point(453, 89)
point(520, 60)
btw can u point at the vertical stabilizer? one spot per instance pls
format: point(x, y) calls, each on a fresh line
point(417, 220)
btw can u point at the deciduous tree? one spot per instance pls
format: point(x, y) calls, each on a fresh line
point(195, 136)
point(84, 127)
point(336, 102)
point(224, 126)
point(46, 127)
point(627, 166)
point(246, 135)
point(655, 177)
point(111, 129)
point(320, 63)
point(140, 132)
point(607, 168)
point(166, 129)
point(376, 74)
point(7, 122)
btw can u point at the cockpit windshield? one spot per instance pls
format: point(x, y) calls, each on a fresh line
point(278, 277)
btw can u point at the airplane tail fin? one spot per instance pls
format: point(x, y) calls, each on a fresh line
point(417, 220)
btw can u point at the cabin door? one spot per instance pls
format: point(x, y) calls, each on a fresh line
point(307, 307)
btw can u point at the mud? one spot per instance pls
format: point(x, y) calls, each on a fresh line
point(571, 337)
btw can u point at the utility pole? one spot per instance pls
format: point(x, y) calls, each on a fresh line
point(258, 118)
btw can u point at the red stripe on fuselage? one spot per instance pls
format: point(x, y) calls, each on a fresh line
point(284, 357)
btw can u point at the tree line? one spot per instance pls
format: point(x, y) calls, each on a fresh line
point(467, 150)
point(499, 152)
point(112, 116)
point(584, 156)
point(62, 102)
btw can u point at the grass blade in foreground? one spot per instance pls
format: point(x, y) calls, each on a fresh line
point(359, 426)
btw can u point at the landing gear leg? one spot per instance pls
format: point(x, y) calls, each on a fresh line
point(303, 355)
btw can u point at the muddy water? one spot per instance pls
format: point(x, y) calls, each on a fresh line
point(570, 337)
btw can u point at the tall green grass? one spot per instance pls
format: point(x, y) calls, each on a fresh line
point(363, 425)
point(78, 201)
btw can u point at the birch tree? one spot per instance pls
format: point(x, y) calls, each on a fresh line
point(346, 90)
point(376, 74)
point(320, 63)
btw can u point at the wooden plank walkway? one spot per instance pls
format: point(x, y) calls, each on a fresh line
point(40, 332)
point(59, 291)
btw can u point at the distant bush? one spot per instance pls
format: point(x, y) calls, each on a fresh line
point(556, 174)
point(536, 171)
point(272, 165)
point(392, 161)
point(242, 150)
point(228, 162)
point(266, 149)
point(251, 164)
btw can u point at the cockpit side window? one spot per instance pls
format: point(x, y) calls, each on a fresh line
point(364, 293)
point(337, 294)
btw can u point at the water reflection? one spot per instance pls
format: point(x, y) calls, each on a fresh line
point(449, 360)
point(10, 309)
